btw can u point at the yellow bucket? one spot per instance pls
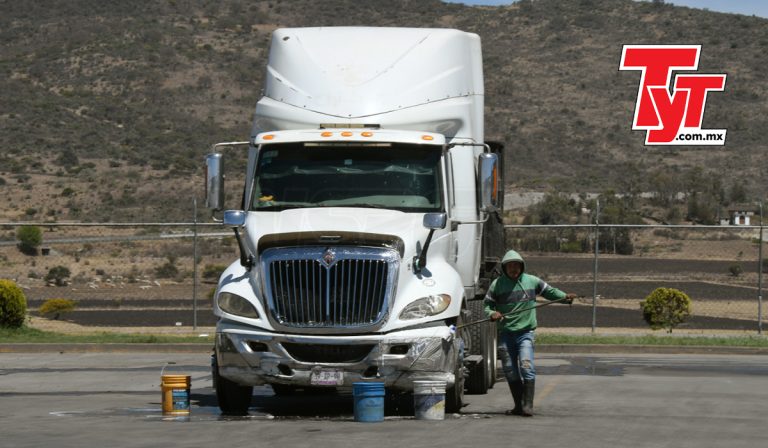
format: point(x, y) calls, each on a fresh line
point(175, 394)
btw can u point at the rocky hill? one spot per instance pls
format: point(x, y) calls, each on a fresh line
point(107, 107)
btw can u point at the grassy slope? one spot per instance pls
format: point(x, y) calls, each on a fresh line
point(155, 85)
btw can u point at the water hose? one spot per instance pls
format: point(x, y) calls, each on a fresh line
point(513, 312)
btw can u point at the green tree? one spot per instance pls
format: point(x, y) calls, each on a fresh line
point(13, 305)
point(30, 238)
point(737, 193)
point(167, 270)
point(664, 186)
point(58, 275)
point(616, 210)
point(666, 308)
point(67, 158)
point(702, 209)
point(554, 208)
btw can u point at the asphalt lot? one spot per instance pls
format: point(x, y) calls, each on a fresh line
point(620, 400)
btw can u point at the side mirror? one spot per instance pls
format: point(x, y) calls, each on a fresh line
point(214, 181)
point(234, 218)
point(435, 221)
point(489, 182)
point(432, 221)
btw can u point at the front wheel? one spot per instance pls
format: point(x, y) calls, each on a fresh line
point(233, 398)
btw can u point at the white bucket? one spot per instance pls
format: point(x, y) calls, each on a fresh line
point(429, 400)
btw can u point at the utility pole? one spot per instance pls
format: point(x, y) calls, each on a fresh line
point(594, 273)
point(194, 267)
point(760, 275)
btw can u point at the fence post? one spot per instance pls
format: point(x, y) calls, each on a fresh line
point(194, 266)
point(594, 273)
point(760, 276)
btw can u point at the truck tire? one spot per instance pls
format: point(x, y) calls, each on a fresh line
point(233, 398)
point(454, 395)
point(282, 390)
point(479, 380)
point(489, 342)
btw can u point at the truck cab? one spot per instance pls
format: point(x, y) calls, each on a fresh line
point(370, 222)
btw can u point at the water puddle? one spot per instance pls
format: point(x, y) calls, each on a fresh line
point(198, 414)
point(581, 366)
point(208, 414)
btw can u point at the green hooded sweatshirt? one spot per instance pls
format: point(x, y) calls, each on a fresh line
point(507, 294)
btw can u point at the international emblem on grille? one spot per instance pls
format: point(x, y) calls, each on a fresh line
point(328, 257)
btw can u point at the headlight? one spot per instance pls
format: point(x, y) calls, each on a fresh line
point(426, 306)
point(234, 304)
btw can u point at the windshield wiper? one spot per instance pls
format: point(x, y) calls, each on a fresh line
point(360, 205)
point(281, 207)
point(278, 207)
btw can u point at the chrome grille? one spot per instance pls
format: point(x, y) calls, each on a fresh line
point(329, 287)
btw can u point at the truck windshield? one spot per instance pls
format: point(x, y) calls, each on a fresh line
point(401, 177)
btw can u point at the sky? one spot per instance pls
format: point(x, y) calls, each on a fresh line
point(747, 7)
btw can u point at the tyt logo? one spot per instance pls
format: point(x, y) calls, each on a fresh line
point(671, 117)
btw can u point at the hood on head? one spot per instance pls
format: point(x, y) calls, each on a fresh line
point(510, 256)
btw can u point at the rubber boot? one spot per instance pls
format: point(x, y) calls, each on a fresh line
point(516, 387)
point(528, 390)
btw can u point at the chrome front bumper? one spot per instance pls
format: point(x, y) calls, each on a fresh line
point(249, 356)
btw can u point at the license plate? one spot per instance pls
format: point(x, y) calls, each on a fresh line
point(326, 377)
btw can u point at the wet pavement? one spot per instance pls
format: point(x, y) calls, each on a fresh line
point(114, 399)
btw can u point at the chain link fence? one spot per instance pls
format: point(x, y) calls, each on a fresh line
point(118, 275)
point(614, 267)
point(145, 274)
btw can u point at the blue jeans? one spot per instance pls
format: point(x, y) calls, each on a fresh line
point(516, 352)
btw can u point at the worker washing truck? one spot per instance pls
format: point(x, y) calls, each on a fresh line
point(511, 302)
point(370, 222)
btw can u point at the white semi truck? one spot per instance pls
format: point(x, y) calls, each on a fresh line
point(369, 224)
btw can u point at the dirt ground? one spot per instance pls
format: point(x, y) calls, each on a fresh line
point(120, 281)
point(65, 327)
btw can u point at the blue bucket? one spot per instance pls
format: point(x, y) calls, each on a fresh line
point(369, 401)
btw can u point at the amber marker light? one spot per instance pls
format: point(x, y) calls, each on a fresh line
point(326, 134)
point(346, 134)
point(269, 137)
point(427, 137)
point(367, 134)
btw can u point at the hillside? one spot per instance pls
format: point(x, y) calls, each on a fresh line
point(108, 107)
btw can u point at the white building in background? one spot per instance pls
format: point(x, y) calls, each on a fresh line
point(741, 216)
